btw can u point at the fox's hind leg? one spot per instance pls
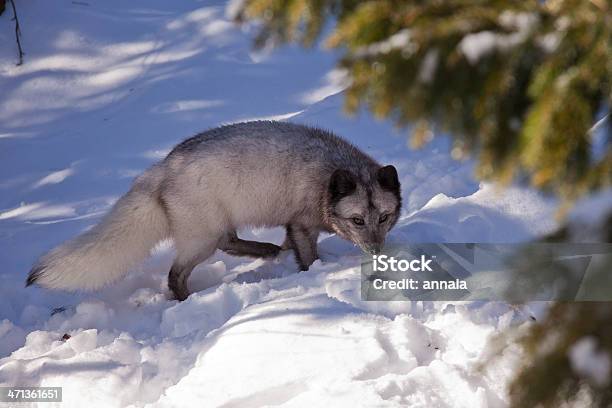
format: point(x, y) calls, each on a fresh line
point(304, 243)
point(177, 280)
point(240, 247)
point(191, 250)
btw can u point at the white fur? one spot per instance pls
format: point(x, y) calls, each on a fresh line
point(209, 186)
point(110, 249)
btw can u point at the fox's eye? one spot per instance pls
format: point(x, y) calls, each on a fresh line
point(383, 218)
point(358, 221)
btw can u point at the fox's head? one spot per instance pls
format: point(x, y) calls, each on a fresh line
point(363, 207)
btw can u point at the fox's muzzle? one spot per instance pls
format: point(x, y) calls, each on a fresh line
point(372, 248)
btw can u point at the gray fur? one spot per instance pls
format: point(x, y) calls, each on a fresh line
point(258, 174)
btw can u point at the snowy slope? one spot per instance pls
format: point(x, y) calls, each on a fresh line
point(107, 89)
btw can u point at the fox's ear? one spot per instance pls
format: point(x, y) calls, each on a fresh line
point(341, 184)
point(388, 179)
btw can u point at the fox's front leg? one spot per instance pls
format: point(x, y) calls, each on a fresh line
point(303, 240)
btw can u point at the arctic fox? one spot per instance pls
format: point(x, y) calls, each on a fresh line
point(258, 173)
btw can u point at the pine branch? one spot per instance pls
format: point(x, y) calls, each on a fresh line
point(17, 33)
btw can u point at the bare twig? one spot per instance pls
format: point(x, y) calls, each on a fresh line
point(17, 33)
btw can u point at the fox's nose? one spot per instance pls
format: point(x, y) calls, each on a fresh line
point(373, 248)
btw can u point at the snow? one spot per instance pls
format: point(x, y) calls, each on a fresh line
point(429, 66)
point(589, 210)
point(586, 221)
point(398, 41)
point(586, 361)
point(107, 89)
point(335, 82)
point(476, 45)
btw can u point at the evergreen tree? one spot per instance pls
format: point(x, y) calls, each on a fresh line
point(518, 83)
point(549, 376)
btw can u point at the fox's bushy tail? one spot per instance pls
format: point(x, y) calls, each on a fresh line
point(110, 249)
